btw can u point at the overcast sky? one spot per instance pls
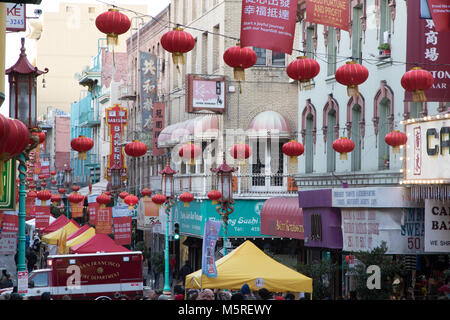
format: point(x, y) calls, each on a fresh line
point(13, 38)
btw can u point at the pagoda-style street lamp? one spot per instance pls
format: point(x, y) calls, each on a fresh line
point(226, 202)
point(167, 190)
point(22, 106)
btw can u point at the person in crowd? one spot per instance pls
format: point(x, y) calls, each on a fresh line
point(192, 295)
point(223, 295)
point(7, 282)
point(163, 297)
point(178, 289)
point(264, 294)
point(289, 296)
point(206, 294)
point(277, 297)
point(4, 273)
point(66, 297)
point(46, 296)
point(15, 296)
point(172, 265)
point(184, 271)
point(237, 296)
point(246, 293)
point(31, 259)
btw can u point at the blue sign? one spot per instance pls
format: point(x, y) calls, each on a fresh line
point(210, 236)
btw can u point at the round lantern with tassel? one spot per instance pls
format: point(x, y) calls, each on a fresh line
point(351, 75)
point(32, 194)
point(75, 188)
point(190, 152)
point(44, 196)
point(240, 152)
point(61, 191)
point(75, 198)
point(293, 149)
point(303, 70)
point(417, 80)
point(82, 144)
point(123, 195)
point(103, 200)
point(343, 145)
point(159, 199)
point(396, 139)
point(55, 199)
point(186, 198)
point(177, 42)
point(131, 201)
point(240, 59)
point(53, 181)
point(113, 23)
point(146, 192)
point(135, 149)
point(214, 196)
point(41, 135)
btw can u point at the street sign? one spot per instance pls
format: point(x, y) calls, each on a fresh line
point(8, 198)
point(22, 282)
point(15, 17)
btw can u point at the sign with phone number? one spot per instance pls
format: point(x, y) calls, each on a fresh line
point(15, 17)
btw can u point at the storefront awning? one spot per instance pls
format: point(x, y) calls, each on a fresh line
point(204, 127)
point(269, 123)
point(282, 217)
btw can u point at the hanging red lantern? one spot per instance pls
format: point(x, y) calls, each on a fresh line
point(177, 42)
point(240, 59)
point(43, 184)
point(61, 191)
point(32, 186)
point(103, 200)
point(159, 199)
point(41, 176)
point(186, 198)
point(303, 69)
point(32, 194)
point(113, 23)
point(29, 179)
point(417, 80)
point(131, 201)
point(41, 135)
point(55, 199)
point(136, 149)
point(395, 139)
point(189, 152)
point(54, 181)
point(214, 196)
point(146, 192)
point(75, 198)
point(82, 144)
point(351, 75)
point(107, 192)
point(44, 195)
point(240, 152)
point(293, 149)
point(53, 173)
point(75, 188)
point(123, 195)
point(343, 145)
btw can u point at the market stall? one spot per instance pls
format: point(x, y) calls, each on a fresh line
point(98, 243)
point(248, 264)
point(79, 237)
point(60, 222)
point(53, 237)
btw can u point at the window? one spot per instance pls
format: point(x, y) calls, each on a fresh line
point(356, 138)
point(216, 55)
point(278, 59)
point(267, 163)
point(332, 48)
point(310, 42)
point(331, 154)
point(414, 110)
point(357, 35)
point(261, 55)
point(309, 144)
point(205, 53)
point(383, 130)
point(385, 21)
point(91, 10)
point(40, 279)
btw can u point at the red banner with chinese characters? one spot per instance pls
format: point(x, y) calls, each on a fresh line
point(104, 220)
point(42, 216)
point(93, 209)
point(159, 112)
point(116, 119)
point(10, 223)
point(30, 209)
point(77, 209)
point(1, 219)
point(269, 24)
point(329, 13)
point(122, 230)
point(428, 49)
point(440, 12)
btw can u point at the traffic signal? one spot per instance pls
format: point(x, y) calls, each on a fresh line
point(176, 231)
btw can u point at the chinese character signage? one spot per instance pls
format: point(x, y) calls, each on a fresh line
point(149, 89)
point(429, 48)
point(205, 93)
point(30, 208)
point(122, 230)
point(93, 207)
point(330, 13)
point(210, 236)
point(116, 119)
point(103, 220)
point(8, 243)
point(42, 216)
point(159, 110)
point(77, 209)
point(8, 196)
point(440, 13)
point(10, 222)
point(269, 24)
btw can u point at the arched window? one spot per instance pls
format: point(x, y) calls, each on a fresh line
point(356, 128)
point(330, 130)
point(309, 134)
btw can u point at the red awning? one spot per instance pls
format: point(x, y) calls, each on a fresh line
point(78, 232)
point(60, 222)
point(98, 243)
point(282, 217)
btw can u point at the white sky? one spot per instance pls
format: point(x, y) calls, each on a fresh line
point(13, 38)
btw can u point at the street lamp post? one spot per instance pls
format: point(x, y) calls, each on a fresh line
point(167, 189)
point(226, 202)
point(22, 106)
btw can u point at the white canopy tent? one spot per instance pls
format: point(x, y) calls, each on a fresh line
point(97, 188)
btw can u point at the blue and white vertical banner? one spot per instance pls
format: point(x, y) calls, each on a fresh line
point(149, 87)
point(210, 236)
point(121, 211)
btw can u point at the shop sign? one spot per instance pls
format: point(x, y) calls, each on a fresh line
point(116, 119)
point(8, 196)
point(8, 243)
point(205, 93)
point(147, 214)
point(329, 13)
point(377, 197)
point(437, 226)
point(15, 17)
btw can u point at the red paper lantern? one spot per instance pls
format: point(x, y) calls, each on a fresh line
point(61, 191)
point(240, 59)
point(303, 69)
point(240, 152)
point(146, 192)
point(417, 80)
point(159, 199)
point(177, 42)
point(75, 197)
point(29, 179)
point(293, 149)
point(189, 152)
point(186, 198)
point(54, 181)
point(343, 145)
point(113, 23)
point(43, 184)
point(32, 194)
point(103, 200)
point(44, 195)
point(55, 198)
point(107, 192)
point(123, 195)
point(131, 201)
point(214, 196)
point(351, 75)
point(75, 188)
point(395, 139)
point(53, 173)
point(136, 149)
point(82, 144)
point(41, 135)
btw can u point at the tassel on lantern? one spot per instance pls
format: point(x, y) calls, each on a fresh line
point(82, 155)
point(239, 75)
point(304, 85)
point(112, 39)
point(343, 156)
point(352, 91)
point(419, 96)
point(186, 204)
point(214, 202)
point(396, 149)
point(130, 207)
point(293, 160)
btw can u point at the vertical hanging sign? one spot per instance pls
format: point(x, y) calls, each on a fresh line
point(93, 207)
point(210, 236)
point(103, 220)
point(116, 119)
point(149, 89)
point(269, 24)
point(122, 230)
point(42, 217)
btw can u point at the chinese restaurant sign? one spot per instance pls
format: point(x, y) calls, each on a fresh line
point(149, 89)
point(428, 48)
point(104, 220)
point(122, 230)
point(268, 24)
point(330, 13)
point(116, 118)
point(159, 113)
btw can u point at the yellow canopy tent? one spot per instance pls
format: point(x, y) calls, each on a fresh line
point(53, 237)
point(248, 264)
point(89, 233)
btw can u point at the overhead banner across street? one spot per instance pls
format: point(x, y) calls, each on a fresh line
point(332, 13)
